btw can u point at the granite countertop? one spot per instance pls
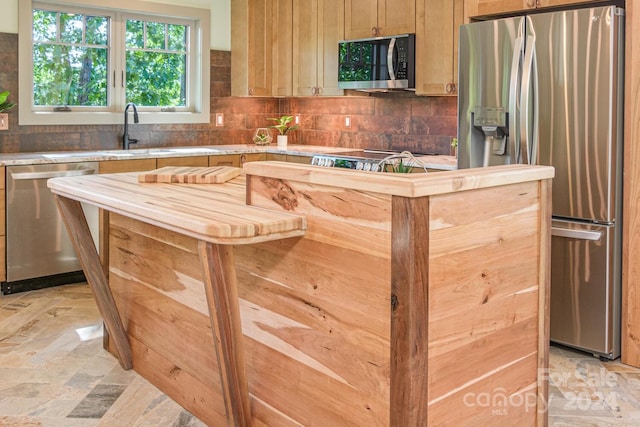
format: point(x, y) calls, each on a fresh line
point(434, 162)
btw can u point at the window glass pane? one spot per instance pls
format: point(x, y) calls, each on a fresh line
point(155, 35)
point(66, 75)
point(70, 72)
point(167, 72)
point(96, 30)
point(177, 38)
point(44, 25)
point(135, 34)
point(71, 28)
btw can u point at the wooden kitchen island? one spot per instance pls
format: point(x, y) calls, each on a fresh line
point(299, 295)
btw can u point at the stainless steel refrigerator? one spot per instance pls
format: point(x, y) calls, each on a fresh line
point(546, 88)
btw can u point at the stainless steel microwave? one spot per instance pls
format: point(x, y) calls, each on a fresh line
point(378, 63)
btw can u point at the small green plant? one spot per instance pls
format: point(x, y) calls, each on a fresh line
point(283, 124)
point(401, 167)
point(5, 105)
point(454, 142)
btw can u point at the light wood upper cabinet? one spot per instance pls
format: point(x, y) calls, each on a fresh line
point(437, 25)
point(370, 18)
point(283, 49)
point(492, 7)
point(251, 47)
point(318, 25)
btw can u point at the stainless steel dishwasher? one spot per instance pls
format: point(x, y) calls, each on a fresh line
point(39, 252)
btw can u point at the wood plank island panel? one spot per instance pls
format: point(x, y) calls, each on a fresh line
point(468, 292)
point(414, 302)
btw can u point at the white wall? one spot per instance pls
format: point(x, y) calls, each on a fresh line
point(220, 18)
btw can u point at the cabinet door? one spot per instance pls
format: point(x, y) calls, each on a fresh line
point(490, 7)
point(437, 46)
point(548, 3)
point(259, 28)
point(117, 166)
point(330, 32)
point(397, 16)
point(283, 48)
point(305, 47)
point(225, 160)
point(3, 241)
point(318, 25)
point(194, 161)
point(360, 18)
point(252, 157)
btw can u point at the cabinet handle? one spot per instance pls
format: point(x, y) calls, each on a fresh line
point(243, 159)
point(450, 88)
point(374, 31)
point(313, 91)
point(250, 91)
point(318, 91)
point(531, 3)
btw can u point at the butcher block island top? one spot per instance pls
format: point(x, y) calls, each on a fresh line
point(296, 295)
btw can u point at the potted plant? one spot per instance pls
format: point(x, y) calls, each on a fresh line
point(5, 105)
point(262, 137)
point(282, 124)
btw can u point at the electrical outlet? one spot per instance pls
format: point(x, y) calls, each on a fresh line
point(219, 119)
point(296, 119)
point(4, 121)
point(347, 121)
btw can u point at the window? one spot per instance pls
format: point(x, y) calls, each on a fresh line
point(88, 62)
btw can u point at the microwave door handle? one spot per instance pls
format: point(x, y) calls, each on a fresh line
point(392, 47)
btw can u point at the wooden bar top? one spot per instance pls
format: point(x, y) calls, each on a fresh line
point(399, 184)
point(214, 213)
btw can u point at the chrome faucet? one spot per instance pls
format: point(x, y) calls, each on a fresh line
point(126, 141)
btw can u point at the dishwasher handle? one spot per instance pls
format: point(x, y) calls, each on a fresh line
point(51, 174)
point(576, 234)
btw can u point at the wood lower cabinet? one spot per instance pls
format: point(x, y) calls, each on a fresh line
point(367, 18)
point(437, 46)
point(3, 227)
point(225, 160)
point(117, 166)
point(195, 161)
point(318, 26)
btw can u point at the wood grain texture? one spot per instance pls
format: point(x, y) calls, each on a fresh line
point(190, 175)
point(3, 241)
point(200, 161)
point(631, 205)
point(409, 304)
point(206, 212)
point(80, 236)
point(221, 288)
point(406, 185)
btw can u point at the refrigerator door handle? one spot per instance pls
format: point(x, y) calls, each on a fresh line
point(513, 100)
point(576, 234)
point(526, 143)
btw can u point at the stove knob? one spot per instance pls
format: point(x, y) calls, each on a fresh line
point(330, 163)
point(374, 167)
point(359, 166)
point(367, 166)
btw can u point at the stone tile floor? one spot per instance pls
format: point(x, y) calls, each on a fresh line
point(54, 372)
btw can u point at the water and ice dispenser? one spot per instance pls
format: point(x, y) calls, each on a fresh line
point(490, 132)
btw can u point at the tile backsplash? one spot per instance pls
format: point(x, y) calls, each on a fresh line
point(399, 121)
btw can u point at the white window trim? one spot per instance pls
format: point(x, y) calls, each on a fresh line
point(201, 52)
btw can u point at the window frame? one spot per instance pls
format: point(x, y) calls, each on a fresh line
point(197, 110)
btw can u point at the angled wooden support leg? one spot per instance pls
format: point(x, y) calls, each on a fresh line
point(222, 298)
point(78, 229)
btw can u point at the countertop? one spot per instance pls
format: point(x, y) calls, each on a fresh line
point(432, 162)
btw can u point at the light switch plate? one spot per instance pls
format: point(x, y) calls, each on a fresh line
point(4, 121)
